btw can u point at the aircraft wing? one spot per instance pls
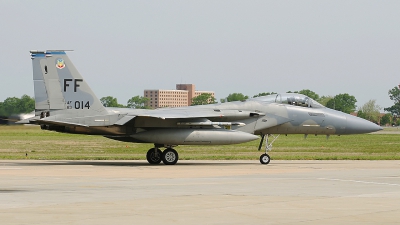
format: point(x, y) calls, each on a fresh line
point(178, 113)
point(195, 114)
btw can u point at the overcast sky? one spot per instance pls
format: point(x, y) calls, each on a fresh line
point(124, 47)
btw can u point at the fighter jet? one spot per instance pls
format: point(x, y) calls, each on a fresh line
point(64, 102)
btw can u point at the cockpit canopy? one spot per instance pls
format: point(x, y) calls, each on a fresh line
point(291, 99)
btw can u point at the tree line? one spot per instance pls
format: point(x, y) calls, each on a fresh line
point(341, 102)
point(14, 105)
point(26, 104)
point(136, 102)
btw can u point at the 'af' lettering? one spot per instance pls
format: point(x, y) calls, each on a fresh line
point(76, 85)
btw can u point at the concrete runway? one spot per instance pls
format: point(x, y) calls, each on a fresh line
point(199, 192)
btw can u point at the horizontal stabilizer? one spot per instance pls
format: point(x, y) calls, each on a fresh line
point(24, 121)
point(30, 120)
point(60, 123)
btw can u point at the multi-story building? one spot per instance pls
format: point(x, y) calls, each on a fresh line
point(182, 96)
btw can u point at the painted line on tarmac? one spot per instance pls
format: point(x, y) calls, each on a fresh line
point(359, 181)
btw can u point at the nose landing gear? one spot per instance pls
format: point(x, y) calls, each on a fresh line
point(265, 158)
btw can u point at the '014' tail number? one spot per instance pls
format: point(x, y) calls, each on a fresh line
point(78, 105)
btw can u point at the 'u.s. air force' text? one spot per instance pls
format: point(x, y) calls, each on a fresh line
point(74, 104)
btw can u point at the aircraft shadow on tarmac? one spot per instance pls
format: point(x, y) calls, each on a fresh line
point(128, 163)
point(145, 164)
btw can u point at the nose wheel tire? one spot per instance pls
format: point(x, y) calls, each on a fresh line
point(265, 159)
point(154, 157)
point(170, 156)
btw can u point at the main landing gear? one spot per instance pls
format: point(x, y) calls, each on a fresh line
point(169, 156)
point(264, 158)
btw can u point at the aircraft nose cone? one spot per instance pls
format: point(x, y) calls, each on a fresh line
point(356, 125)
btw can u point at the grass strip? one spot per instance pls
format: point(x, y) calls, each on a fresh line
point(17, 141)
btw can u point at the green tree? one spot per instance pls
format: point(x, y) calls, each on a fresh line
point(138, 102)
point(324, 100)
point(343, 102)
point(10, 106)
point(27, 104)
point(110, 101)
point(264, 94)
point(2, 112)
point(394, 95)
point(14, 105)
point(386, 119)
point(371, 111)
point(361, 114)
point(309, 93)
point(394, 109)
point(236, 97)
point(203, 99)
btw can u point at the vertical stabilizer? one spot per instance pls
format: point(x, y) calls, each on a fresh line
point(59, 86)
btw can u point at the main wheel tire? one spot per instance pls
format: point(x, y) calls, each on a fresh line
point(170, 156)
point(265, 159)
point(153, 157)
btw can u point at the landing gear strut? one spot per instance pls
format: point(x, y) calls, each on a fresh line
point(264, 158)
point(168, 157)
